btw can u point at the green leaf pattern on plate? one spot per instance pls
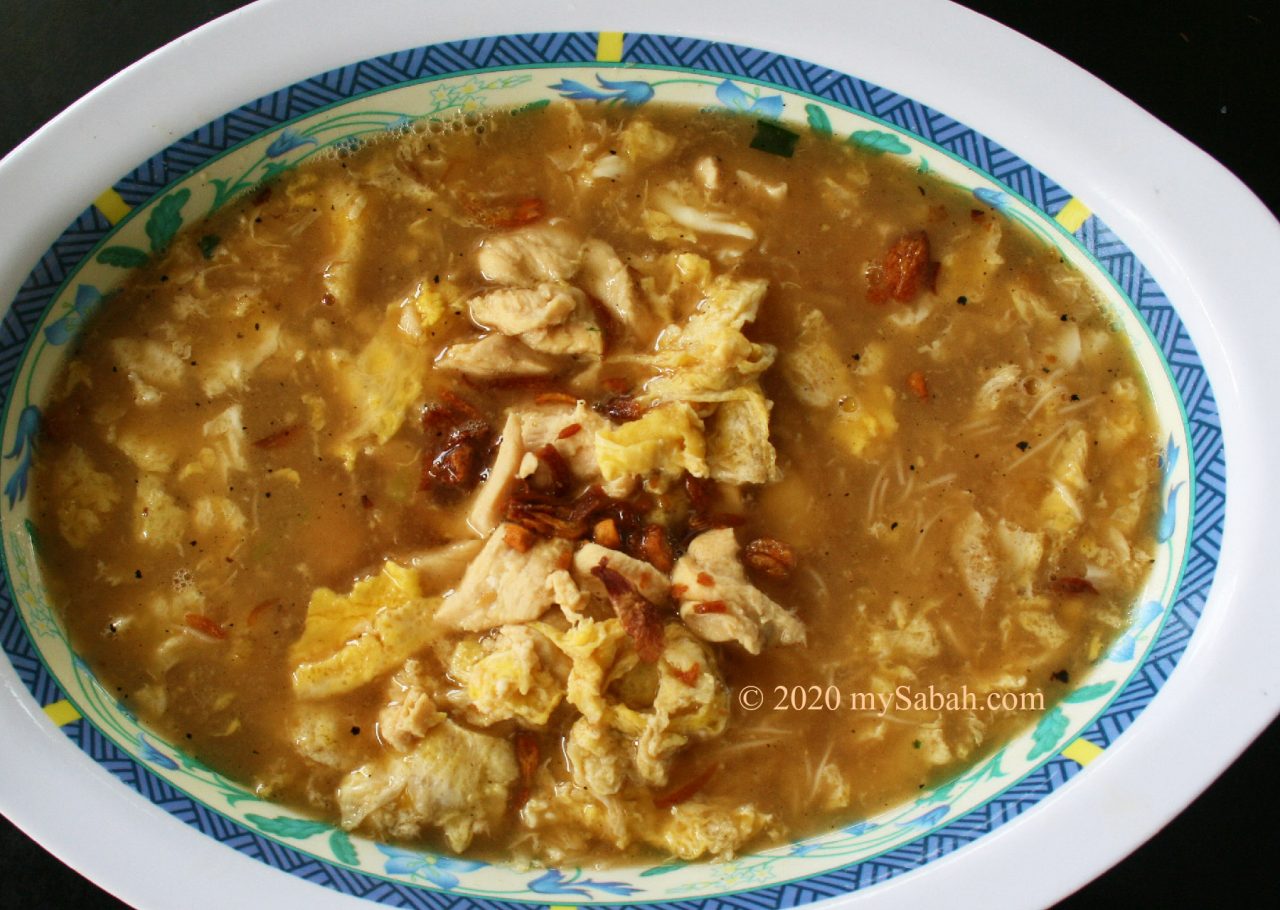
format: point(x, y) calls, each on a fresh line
point(166, 220)
point(124, 257)
point(818, 120)
point(878, 142)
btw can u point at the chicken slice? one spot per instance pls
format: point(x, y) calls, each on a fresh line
point(491, 499)
point(606, 279)
point(504, 585)
point(652, 584)
point(440, 567)
point(549, 424)
point(530, 255)
point(570, 429)
point(513, 311)
point(454, 779)
point(495, 356)
point(719, 603)
point(578, 336)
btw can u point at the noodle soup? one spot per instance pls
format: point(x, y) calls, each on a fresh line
point(468, 489)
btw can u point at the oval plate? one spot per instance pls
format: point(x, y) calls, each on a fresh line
point(931, 828)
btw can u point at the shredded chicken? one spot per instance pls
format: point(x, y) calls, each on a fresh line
point(718, 602)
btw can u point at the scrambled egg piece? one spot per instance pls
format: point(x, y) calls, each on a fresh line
point(150, 363)
point(1040, 622)
point(709, 355)
point(661, 446)
point(351, 639)
point(971, 262)
point(508, 676)
point(384, 379)
point(691, 703)
point(224, 450)
point(812, 368)
point(1061, 508)
point(82, 496)
point(322, 734)
point(700, 827)
point(147, 453)
point(643, 144)
point(864, 419)
point(1123, 418)
point(601, 652)
point(597, 757)
point(430, 303)
point(1021, 551)
point(412, 709)
point(342, 205)
point(561, 819)
point(738, 446)
point(971, 551)
point(658, 707)
point(915, 638)
point(157, 519)
point(671, 278)
point(865, 416)
point(455, 779)
point(228, 366)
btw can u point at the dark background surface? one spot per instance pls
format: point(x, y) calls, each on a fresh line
point(1208, 69)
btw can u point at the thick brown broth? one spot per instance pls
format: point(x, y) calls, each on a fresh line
point(964, 478)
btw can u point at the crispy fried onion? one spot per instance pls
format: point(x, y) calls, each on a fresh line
point(458, 442)
point(640, 619)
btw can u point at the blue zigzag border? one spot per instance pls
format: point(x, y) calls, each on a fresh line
point(191, 151)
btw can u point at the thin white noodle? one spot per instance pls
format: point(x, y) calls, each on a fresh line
point(871, 497)
point(924, 532)
point(1069, 498)
point(977, 427)
point(819, 583)
point(736, 748)
point(817, 777)
point(1051, 390)
point(303, 224)
point(1074, 406)
point(1039, 447)
point(906, 490)
point(938, 481)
